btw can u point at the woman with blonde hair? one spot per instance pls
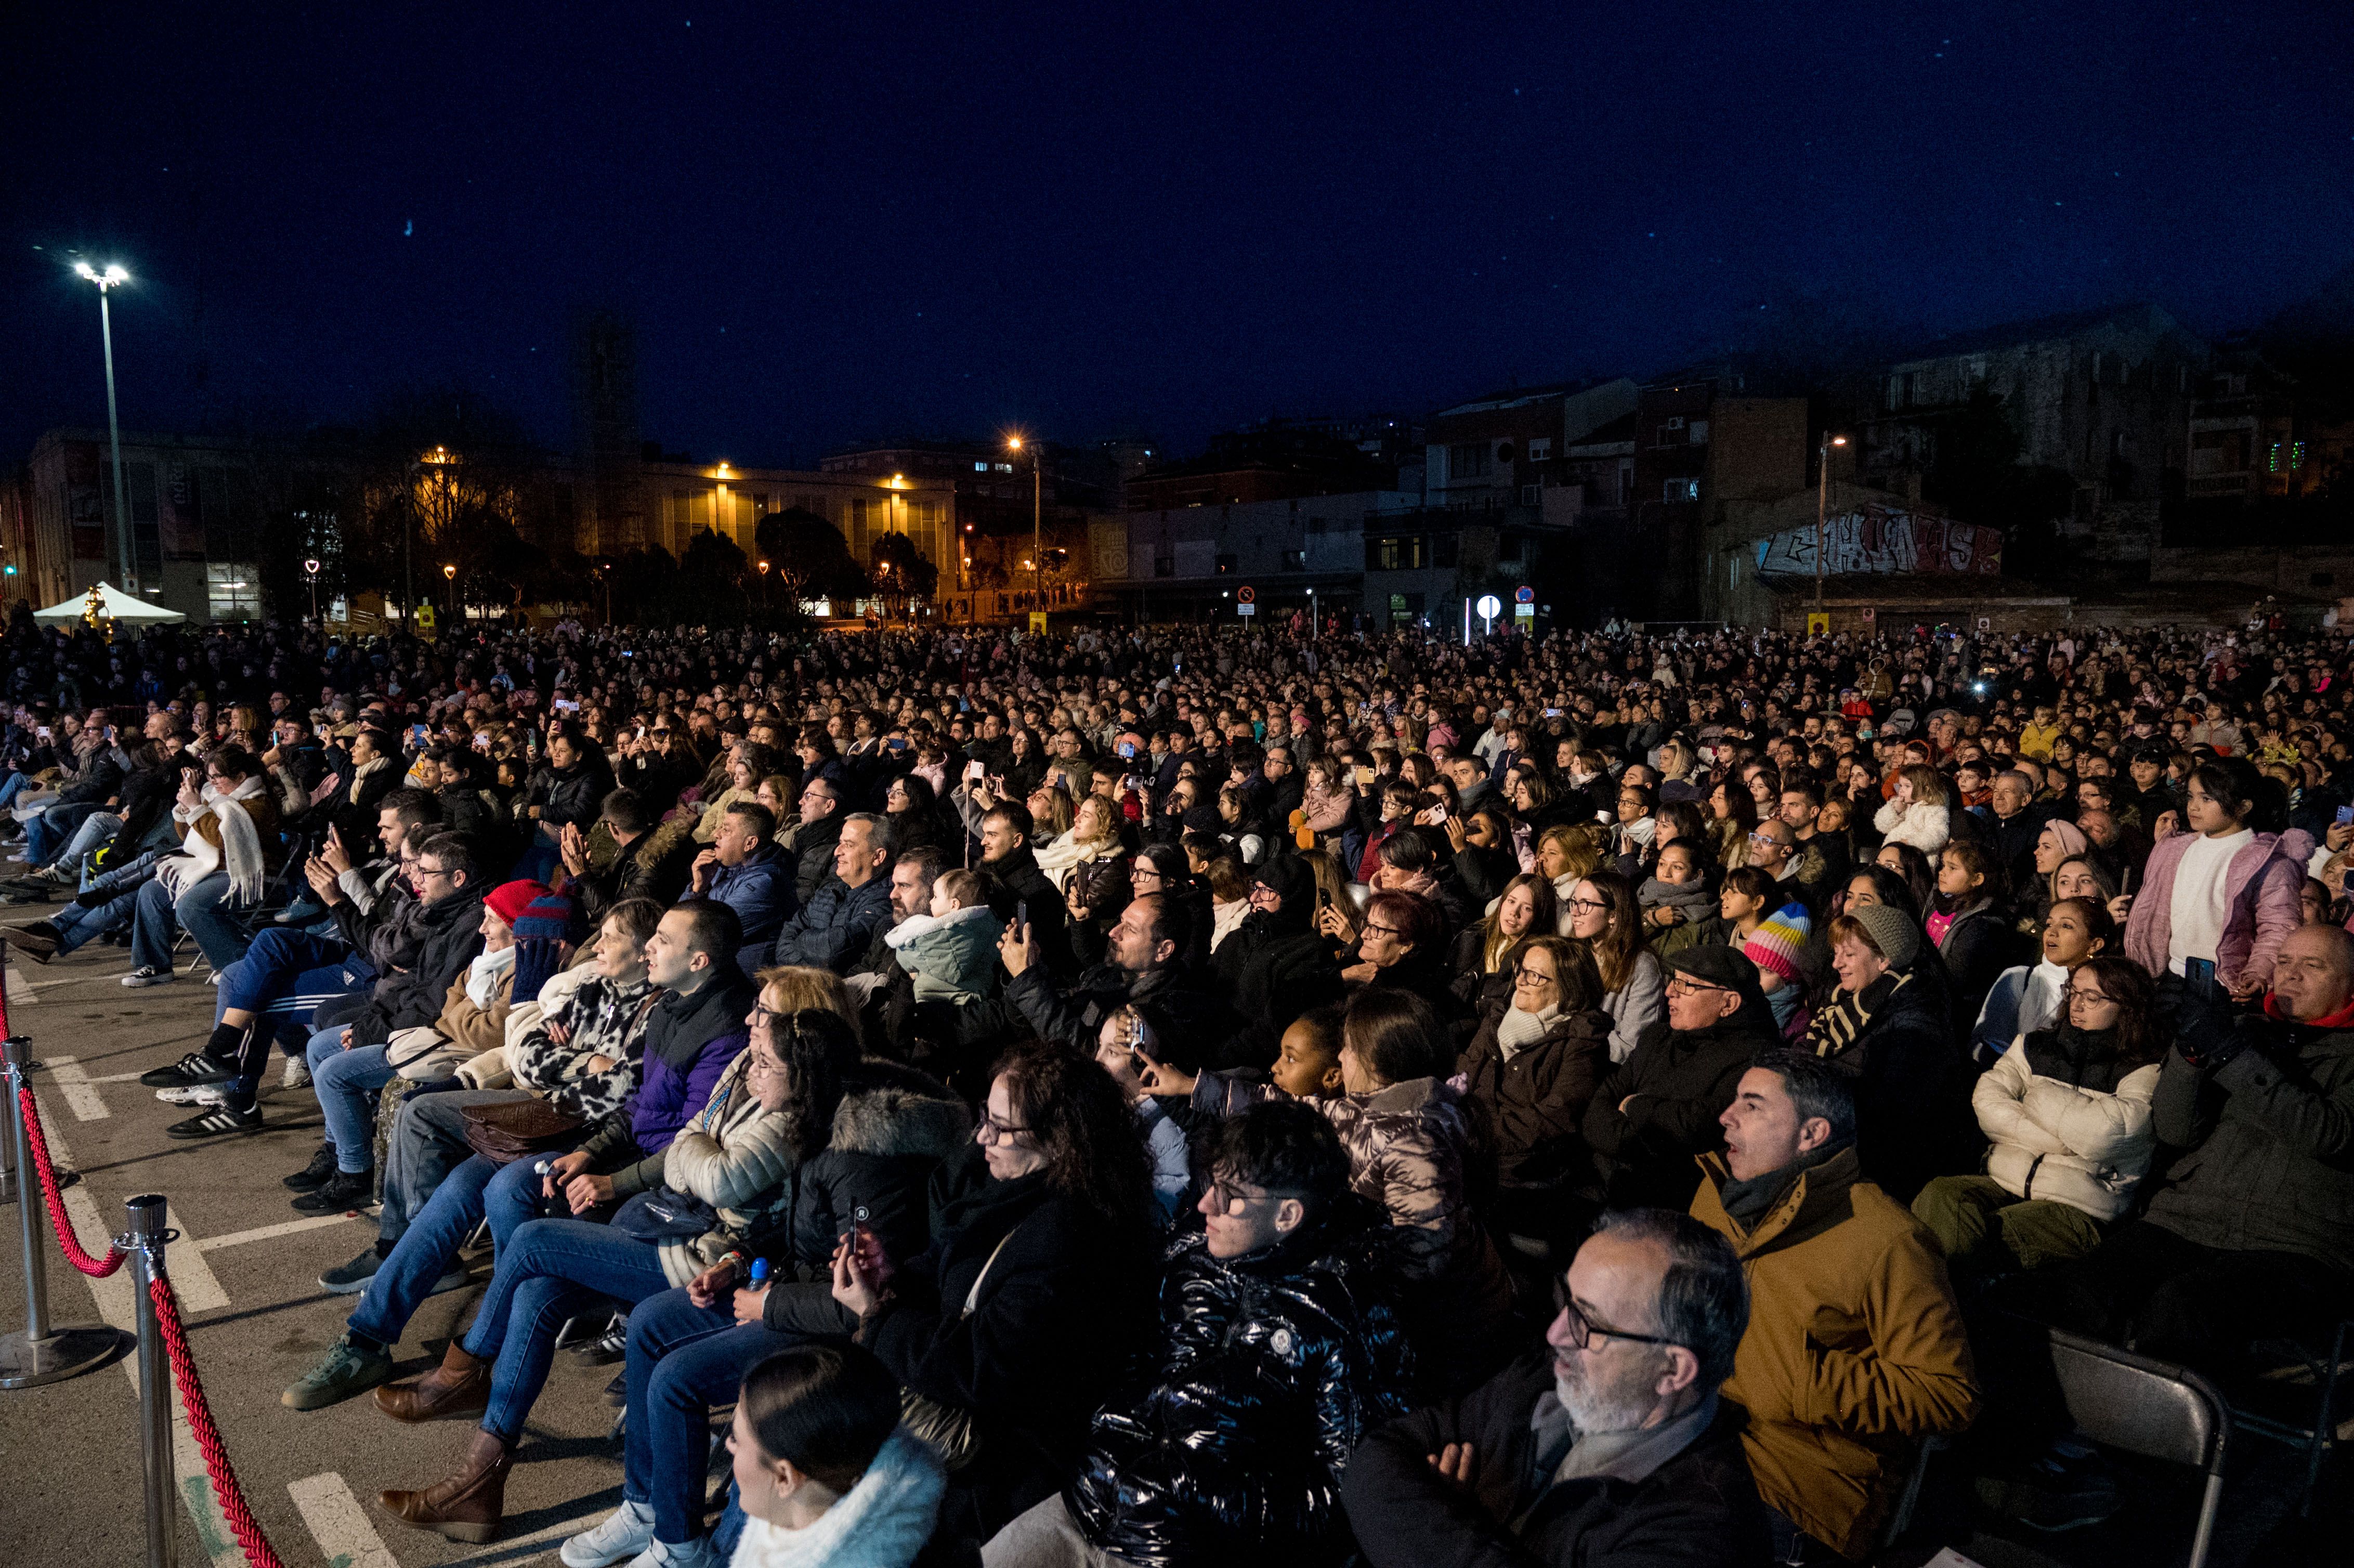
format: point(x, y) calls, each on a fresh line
point(1093, 835)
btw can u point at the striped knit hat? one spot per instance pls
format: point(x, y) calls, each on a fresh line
point(1777, 944)
point(548, 924)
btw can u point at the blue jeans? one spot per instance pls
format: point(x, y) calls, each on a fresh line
point(285, 975)
point(95, 830)
point(77, 924)
point(548, 1270)
point(46, 834)
point(202, 910)
point(13, 787)
point(508, 1195)
point(348, 1082)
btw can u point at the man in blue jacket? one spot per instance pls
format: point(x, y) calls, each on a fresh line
point(834, 929)
point(744, 869)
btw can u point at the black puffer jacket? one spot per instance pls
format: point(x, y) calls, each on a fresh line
point(572, 795)
point(1913, 1115)
point(451, 933)
point(1273, 1367)
point(813, 845)
point(891, 1131)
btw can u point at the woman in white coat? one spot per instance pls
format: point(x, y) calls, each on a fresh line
point(2067, 1114)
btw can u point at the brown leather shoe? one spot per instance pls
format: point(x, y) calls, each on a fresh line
point(468, 1506)
point(460, 1386)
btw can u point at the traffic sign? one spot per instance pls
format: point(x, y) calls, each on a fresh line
point(1818, 623)
point(1245, 607)
point(1524, 595)
point(1246, 595)
point(1489, 607)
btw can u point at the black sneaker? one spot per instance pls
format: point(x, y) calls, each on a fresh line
point(317, 1174)
point(190, 1071)
point(607, 1348)
point(217, 1122)
point(344, 1190)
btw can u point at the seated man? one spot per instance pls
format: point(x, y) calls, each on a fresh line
point(744, 870)
point(228, 828)
point(1606, 1449)
point(2252, 1233)
point(584, 1060)
point(1143, 962)
point(647, 862)
point(1280, 1349)
point(834, 927)
point(1855, 1350)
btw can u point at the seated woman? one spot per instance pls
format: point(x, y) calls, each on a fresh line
point(2035, 996)
point(227, 825)
point(2068, 1111)
point(1536, 1059)
point(824, 1470)
point(724, 1189)
point(1481, 969)
point(1604, 915)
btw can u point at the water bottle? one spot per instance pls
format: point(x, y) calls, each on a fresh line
point(543, 1169)
point(760, 1273)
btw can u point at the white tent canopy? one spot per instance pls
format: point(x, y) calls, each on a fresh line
point(113, 604)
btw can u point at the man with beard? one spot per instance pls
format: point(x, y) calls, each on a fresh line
point(1606, 1447)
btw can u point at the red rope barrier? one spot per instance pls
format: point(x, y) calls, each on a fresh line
point(96, 1268)
point(233, 1506)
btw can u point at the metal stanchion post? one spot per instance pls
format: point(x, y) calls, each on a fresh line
point(145, 1237)
point(40, 1354)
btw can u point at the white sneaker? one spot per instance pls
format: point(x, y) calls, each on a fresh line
point(297, 1075)
point(695, 1554)
point(200, 1095)
point(625, 1533)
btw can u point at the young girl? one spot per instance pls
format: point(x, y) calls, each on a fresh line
point(1966, 922)
point(1778, 948)
point(1744, 902)
point(826, 1475)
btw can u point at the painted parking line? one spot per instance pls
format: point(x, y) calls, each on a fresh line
point(268, 1233)
point(116, 1301)
point(338, 1523)
point(81, 1095)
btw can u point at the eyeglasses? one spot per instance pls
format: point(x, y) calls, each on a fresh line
point(994, 1131)
point(1584, 1330)
point(1597, 905)
point(1683, 985)
point(1527, 976)
point(424, 871)
point(1768, 839)
point(1234, 1202)
point(2089, 998)
point(1385, 930)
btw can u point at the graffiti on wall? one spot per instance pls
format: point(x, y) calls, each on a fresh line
point(1883, 539)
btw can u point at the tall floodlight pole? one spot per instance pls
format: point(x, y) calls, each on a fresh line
point(1037, 516)
point(112, 278)
point(1822, 506)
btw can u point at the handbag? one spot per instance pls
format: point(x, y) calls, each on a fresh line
point(505, 1132)
point(949, 1429)
point(664, 1213)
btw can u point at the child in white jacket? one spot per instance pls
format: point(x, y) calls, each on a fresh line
point(2067, 1114)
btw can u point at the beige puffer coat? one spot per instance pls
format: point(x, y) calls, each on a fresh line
point(2059, 1133)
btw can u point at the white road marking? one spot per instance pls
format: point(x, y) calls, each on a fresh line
point(20, 990)
point(116, 1308)
point(192, 1276)
point(341, 1531)
point(266, 1232)
point(81, 1098)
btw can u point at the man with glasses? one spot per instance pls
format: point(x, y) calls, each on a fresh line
point(1656, 1111)
point(814, 836)
point(1608, 1448)
point(1282, 1349)
point(1143, 962)
point(1855, 1350)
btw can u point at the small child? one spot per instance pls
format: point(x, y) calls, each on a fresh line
point(1777, 947)
point(953, 951)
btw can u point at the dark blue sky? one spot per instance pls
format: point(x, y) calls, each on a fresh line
point(836, 222)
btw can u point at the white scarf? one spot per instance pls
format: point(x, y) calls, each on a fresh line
point(881, 1522)
point(241, 839)
point(1057, 859)
point(1517, 1031)
point(483, 975)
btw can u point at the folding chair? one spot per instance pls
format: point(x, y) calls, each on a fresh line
point(2320, 1436)
point(2151, 1408)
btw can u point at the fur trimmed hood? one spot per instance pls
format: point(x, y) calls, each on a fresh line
point(890, 1109)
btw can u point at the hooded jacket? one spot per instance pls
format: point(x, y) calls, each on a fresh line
point(1271, 1368)
point(1925, 827)
point(760, 890)
point(1854, 1352)
point(689, 1041)
point(952, 956)
point(2260, 888)
point(891, 1132)
point(2067, 1122)
point(883, 1521)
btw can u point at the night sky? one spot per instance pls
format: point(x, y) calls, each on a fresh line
point(836, 223)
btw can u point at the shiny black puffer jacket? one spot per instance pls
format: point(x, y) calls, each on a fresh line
point(1273, 1366)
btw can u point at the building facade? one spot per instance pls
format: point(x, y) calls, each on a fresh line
point(193, 521)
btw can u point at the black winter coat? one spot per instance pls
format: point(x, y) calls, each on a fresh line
point(450, 936)
point(1058, 1311)
point(1912, 1115)
point(1019, 887)
point(1537, 1099)
point(813, 856)
point(1681, 1081)
point(575, 794)
point(1700, 1509)
point(1272, 1368)
point(893, 1128)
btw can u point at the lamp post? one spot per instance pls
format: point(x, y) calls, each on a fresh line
point(1822, 506)
point(310, 570)
point(764, 586)
point(1037, 517)
point(449, 575)
point(114, 277)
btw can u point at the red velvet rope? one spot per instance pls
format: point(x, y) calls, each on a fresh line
point(95, 1268)
point(233, 1506)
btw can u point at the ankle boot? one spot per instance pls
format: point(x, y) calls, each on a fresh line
point(460, 1386)
point(467, 1506)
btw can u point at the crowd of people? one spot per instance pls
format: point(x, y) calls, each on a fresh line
point(1150, 1095)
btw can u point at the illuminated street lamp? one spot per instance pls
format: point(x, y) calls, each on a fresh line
point(310, 570)
point(449, 575)
point(1822, 506)
point(1037, 513)
point(113, 277)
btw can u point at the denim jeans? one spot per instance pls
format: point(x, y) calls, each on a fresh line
point(507, 1195)
point(14, 785)
point(284, 977)
point(549, 1269)
point(77, 924)
point(46, 834)
point(95, 830)
point(429, 1141)
point(346, 1083)
point(202, 910)
point(684, 1361)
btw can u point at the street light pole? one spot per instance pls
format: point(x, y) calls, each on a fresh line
point(1822, 507)
point(310, 570)
point(1037, 519)
point(113, 277)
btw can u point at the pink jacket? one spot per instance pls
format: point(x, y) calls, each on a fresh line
point(2260, 885)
